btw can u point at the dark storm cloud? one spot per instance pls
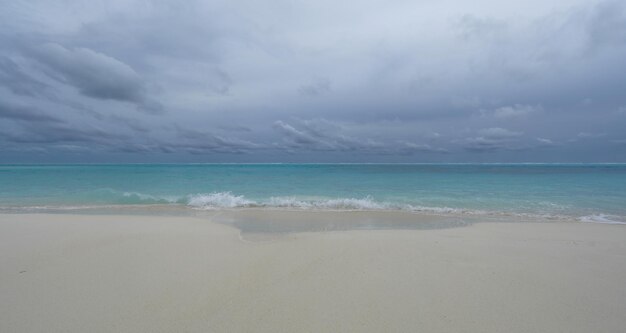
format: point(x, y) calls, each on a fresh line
point(14, 79)
point(296, 137)
point(323, 135)
point(47, 133)
point(411, 148)
point(23, 113)
point(491, 139)
point(234, 128)
point(131, 123)
point(96, 75)
point(212, 140)
point(394, 81)
point(51, 136)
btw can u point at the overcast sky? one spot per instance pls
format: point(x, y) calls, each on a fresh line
point(312, 81)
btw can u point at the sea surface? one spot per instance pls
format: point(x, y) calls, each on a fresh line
point(581, 192)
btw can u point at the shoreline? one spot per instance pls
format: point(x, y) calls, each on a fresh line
point(293, 220)
point(467, 215)
point(102, 273)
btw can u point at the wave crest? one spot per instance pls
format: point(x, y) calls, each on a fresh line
point(226, 200)
point(342, 203)
point(601, 218)
point(219, 200)
point(229, 200)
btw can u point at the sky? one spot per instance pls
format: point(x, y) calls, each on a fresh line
point(312, 81)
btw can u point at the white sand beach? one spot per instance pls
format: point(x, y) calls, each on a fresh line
point(113, 273)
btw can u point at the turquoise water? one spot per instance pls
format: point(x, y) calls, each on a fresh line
point(584, 192)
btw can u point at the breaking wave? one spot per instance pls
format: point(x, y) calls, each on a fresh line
point(109, 198)
point(601, 218)
point(228, 200)
point(219, 200)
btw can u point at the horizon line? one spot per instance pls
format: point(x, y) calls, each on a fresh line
point(319, 163)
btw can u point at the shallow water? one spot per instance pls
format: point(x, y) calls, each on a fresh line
point(584, 192)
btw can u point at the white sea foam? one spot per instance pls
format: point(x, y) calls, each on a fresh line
point(366, 203)
point(228, 200)
point(601, 218)
point(219, 200)
point(440, 210)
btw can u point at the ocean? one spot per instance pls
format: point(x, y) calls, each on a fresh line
point(581, 192)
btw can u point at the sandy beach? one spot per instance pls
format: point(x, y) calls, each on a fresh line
point(113, 273)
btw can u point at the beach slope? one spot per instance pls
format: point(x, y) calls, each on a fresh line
point(112, 273)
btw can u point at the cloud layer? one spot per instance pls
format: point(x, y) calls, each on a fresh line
point(389, 81)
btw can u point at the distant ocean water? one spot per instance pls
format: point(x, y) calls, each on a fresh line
point(584, 192)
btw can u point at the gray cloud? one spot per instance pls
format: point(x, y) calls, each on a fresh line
point(47, 133)
point(607, 25)
point(515, 111)
point(14, 79)
point(234, 128)
point(315, 88)
point(295, 137)
point(472, 27)
point(498, 133)
point(411, 147)
point(586, 135)
point(492, 139)
point(323, 135)
point(198, 142)
point(546, 142)
point(131, 123)
point(399, 81)
point(23, 113)
point(96, 75)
